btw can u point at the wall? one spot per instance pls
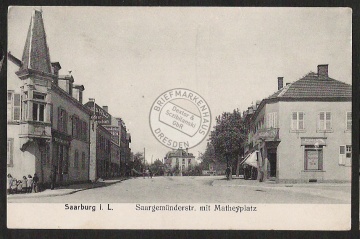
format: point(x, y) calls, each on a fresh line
point(79, 173)
point(290, 153)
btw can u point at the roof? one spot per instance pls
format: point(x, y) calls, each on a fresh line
point(179, 153)
point(36, 53)
point(314, 86)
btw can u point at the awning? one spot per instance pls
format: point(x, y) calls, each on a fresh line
point(251, 159)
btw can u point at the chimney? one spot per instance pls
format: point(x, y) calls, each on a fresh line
point(106, 108)
point(56, 68)
point(280, 82)
point(78, 92)
point(323, 70)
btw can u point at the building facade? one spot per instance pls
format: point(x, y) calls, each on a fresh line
point(48, 128)
point(302, 133)
point(179, 161)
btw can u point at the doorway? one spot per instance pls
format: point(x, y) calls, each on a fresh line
point(272, 161)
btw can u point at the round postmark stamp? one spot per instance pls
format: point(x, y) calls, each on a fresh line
point(180, 118)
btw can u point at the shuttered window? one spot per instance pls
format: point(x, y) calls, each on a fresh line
point(324, 122)
point(10, 152)
point(297, 121)
point(348, 120)
point(271, 120)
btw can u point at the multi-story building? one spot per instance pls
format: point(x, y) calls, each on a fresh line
point(302, 133)
point(179, 161)
point(48, 128)
point(119, 149)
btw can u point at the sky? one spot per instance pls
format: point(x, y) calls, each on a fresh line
point(127, 56)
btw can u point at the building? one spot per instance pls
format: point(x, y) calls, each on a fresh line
point(302, 133)
point(48, 126)
point(118, 150)
point(179, 162)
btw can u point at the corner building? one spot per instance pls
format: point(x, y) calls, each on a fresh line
point(48, 127)
point(302, 133)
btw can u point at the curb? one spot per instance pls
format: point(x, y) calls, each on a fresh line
point(39, 195)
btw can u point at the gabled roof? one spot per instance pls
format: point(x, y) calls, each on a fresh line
point(36, 53)
point(314, 86)
point(179, 153)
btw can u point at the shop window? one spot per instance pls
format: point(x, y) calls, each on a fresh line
point(313, 158)
point(76, 159)
point(348, 121)
point(324, 121)
point(83, 164)
point(10, 152)
point(65, 169)
point(297, 121)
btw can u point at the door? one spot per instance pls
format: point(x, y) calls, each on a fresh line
point(272, 162)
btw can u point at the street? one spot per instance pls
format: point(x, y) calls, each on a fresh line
point(209, 189)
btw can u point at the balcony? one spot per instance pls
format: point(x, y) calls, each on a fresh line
point(35, 130)
point(269, 134)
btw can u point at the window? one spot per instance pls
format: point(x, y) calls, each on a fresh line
point(76, 159)
point(10, 152)
point(38, 112)
point(297, 121)
point(183, 161)
point(75, 125)
point(324, 121)
point(38, 96)
point(83, 160)
point(62, 120)
point(348, 121)
point(345, 155)
point(189, 161)
point(271, 120)
point(13, 106)
point(313, 158)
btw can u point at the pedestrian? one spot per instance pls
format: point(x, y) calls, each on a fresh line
point(147, 173)
point(150, 172)
point(144, 173)
point(14, 186)
point(30, 184)
point(53, 178)
point(9, 183)
point(19, 186)
point(228, 173)
point(24, 184)
point(35, 183)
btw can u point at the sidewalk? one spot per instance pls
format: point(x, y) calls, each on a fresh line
point(339, 191)
point(65, 190)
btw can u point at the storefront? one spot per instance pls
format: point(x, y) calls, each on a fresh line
point(61, 145)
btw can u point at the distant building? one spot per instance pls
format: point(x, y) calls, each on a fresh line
point(179, 161)
point(48, 126)
point(302, 133)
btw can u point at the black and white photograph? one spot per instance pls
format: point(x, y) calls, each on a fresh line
point(179, 118)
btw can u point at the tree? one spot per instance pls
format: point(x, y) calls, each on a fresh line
point(138, 162)
point(228, 137)
point(208, 156)
point(157, 167)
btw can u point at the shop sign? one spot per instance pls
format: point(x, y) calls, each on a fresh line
point(313, 141)
point(101, 116)
point(266, 134)
point(61, 141)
